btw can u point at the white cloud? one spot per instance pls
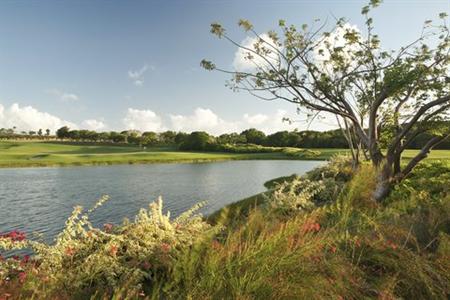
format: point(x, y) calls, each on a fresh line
point(269, 123)
point(206, 120)
point(63, 96)
point(92, 124)
point(202, 120)
point(28, 118)
point(143, 120)
point(137, 76)
point(245, 60)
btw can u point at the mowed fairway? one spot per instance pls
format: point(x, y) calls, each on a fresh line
point(35, 154)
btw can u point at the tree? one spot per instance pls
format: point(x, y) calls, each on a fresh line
point(167, 137)
point(232, 138)
point(47, 132)
point(375, 94)
point(278, 139)
point(104, 136)
point(74, 135)
point(117, 137)
point(197, 140)
point(149, 138)
point(62, 132)
point(180, 138)
point(254, 136)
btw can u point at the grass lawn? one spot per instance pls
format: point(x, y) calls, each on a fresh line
point(34, 154)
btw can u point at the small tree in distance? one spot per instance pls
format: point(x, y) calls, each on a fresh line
point(385, 99)
point(62, 132)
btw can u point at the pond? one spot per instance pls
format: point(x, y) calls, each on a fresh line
point(41, 199)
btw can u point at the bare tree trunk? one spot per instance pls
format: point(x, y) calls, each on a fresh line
point(384, 179)
point(351, 141)
point(391, 172)
point(375, 154)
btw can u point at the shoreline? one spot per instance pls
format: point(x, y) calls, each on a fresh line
point(149, 162)
point(43, 154)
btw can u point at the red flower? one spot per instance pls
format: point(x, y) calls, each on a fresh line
point(146, 265)
point(392, 245)
point(311, 227)
point(165, 247)
point(108, 227)
point(113, 250)
point(316, 227)
point(22, 277)
point(15, 235)
point(70, 251)
point(25, 260)
point(215, 245)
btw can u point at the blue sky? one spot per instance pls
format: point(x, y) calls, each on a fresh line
point(81, 61)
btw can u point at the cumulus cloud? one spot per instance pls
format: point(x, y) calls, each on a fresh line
point(245, 60)
point(63, 96)
point(269, 123)
point(92, 124)
point(137, 76)
point(143, 120)
point(29, 118)
point(202, 120)
point(206, 120)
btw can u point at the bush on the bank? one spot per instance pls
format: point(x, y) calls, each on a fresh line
point(296, 195)
point(301, 153)
point(85, 260)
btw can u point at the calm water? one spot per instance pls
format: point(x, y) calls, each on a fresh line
point(40, 199)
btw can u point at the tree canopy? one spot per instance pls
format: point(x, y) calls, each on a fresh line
point(381, 98)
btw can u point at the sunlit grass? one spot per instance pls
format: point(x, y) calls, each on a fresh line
point(29, 154)
point(22, 154)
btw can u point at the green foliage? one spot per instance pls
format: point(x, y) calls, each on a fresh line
point(197, 140)
point(84, 259)
point(217, 29)
point(280, 245)
point(302, 153)
point(245, 24)
point(254, 136)
point(295, 195)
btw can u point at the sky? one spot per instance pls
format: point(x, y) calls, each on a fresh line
point(116, 65)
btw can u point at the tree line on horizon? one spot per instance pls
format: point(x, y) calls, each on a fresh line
point(199, 140)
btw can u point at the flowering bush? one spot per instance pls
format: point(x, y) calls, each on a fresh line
point(85, 258)
point(295, 195)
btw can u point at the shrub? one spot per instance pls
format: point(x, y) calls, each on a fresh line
point(296, 195)
point(84, 260)
point(302, 153)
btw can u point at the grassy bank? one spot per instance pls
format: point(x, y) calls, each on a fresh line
point(36, 154)
point(316, 237)
point(40, 154)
